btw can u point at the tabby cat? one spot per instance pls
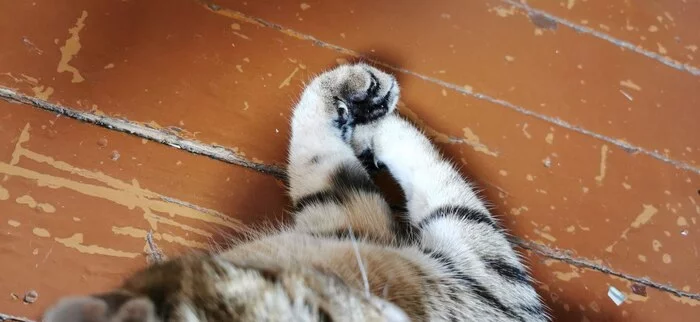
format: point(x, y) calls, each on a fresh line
point(348, 256)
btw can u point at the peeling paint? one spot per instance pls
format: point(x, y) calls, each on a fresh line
point(684, 300)
point(13, 223)
point(545, 235)
point(647, 213)
point(666, 258)
point(288, 80)
point(681, 221)
point(503, 12)
point(31, 203)
point(549, 138)
point(76, 242)
point(644, 217)
point(142, 233)
point(130, 195)
point(603, 165)
point(630, 84)
point(474, 141)
point(661, 49)
point(71, 48)
point(41, 232)
point(4, 194)
point(527, 135)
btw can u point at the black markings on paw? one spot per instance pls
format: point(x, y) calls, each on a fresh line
point(348, 180)
point(505, 269)
point(369, 162)
point(471, 284)
point(362, 108)
point(463, 213)
point(318, 198)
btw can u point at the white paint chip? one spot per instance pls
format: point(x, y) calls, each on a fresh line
point(616, 296)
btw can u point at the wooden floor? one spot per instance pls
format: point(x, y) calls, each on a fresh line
point(579, 119)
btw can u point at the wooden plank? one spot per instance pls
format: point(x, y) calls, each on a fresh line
point(577, 294)
point(668, 28)
point(219, 78)
point(77, 201)
point(504, 149)
point(496, 49)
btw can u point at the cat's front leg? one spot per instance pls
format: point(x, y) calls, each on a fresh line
point(330, 188)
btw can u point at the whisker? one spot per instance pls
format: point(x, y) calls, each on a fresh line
point(359, 261)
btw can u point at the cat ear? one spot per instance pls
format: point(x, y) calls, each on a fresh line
point(390, 311)
point(77, 309)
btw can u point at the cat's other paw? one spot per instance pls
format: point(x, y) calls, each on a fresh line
point(110, 307)
point(359, 93)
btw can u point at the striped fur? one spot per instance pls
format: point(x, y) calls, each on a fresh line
point(347, 257)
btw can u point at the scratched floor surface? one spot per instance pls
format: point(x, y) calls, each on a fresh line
point(577, 118)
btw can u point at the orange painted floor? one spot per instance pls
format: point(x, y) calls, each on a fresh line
point(579, 119)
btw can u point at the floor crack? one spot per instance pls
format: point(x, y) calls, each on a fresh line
point(618, 42)
point(12, 318)
point(585, 263)
point(157, 135)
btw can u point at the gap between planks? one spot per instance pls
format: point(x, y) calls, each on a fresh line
point(615, 41)
point(226, 155)
point(630, 148)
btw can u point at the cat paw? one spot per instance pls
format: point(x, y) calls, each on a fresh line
point(359, 93)
point(112, 307)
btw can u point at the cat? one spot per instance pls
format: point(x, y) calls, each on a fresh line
point(347, 257)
